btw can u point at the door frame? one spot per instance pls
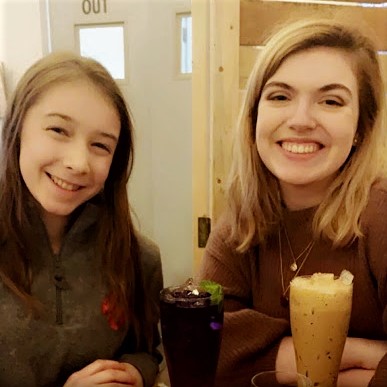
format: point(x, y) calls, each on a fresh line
point(215, 105)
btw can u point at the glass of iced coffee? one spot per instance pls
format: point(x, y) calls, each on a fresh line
point(320, 310)
point(191, 317)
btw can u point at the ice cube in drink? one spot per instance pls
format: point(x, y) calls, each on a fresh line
point(320, 310)
point(191, 326)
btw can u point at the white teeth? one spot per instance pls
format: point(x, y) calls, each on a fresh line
point(299, 148)
point(62, 184)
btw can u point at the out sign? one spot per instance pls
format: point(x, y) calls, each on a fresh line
point(93, 6)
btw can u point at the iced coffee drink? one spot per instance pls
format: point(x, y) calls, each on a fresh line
point(191, 324)
point(320, 310)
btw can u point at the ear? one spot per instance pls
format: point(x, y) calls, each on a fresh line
point(355, 140)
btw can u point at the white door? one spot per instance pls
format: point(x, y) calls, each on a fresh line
point(160, 189)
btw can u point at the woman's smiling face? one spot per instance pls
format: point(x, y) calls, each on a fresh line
point(307, 118)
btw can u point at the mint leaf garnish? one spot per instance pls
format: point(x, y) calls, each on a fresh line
point(214, 289)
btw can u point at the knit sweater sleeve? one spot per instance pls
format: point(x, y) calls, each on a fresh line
point(147, 362)
point(250, 339)
point(375, 226)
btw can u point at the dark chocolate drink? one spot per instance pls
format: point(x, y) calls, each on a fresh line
point(191, 326)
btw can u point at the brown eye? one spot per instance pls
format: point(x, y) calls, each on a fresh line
point(278, 97)
point(56, 129)
point(102, 146)
point(333, 102)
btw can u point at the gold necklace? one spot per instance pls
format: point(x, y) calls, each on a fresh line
point(284, 297)
point(293, 266)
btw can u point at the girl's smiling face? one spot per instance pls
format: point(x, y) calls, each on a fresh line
point(67, 144)
point(307, 119)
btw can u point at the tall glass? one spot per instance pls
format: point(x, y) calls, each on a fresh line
point(191, 328)
point(320, 310)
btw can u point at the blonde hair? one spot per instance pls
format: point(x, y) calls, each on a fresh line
point(254, 202)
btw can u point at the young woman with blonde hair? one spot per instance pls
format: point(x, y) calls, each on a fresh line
point(79, 286)
point(306, 194)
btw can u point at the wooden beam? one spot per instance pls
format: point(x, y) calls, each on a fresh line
point(224, 81)
point(200, 12)
point(258, 18)
point(247, 57)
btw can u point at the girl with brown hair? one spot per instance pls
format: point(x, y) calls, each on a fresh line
point(79, 285)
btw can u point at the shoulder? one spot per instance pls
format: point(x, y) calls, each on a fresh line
point(374, 215)
point(151, 266)
point(221, 246)
point(379, 190)
point(377, 203)
point(148, 249)
point(222, 230)
point(219, 236)
point(149, 254)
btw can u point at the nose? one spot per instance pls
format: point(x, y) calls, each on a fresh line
point(77, 158)
point(302, 116)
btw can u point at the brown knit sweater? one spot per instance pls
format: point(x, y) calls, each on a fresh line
point(255, 320)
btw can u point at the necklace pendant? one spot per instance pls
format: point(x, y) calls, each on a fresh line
point(284, 301)
point(293, 266)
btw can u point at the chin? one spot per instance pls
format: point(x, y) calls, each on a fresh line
point(297, 180)
point(59, 212)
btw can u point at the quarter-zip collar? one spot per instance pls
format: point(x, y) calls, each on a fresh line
point(39, 240)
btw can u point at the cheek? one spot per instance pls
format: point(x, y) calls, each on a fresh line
point(101, 171)
point(266, 124)
point(28, 159)
point(263, 134)
point(345, 136)
point(36, 149)
point(258, 129)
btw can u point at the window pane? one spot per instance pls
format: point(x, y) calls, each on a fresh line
point(186, 44)
point(106, 45)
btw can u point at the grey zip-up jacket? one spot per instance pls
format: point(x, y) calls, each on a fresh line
point(73, 332)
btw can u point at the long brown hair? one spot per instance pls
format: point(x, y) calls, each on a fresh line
point(118, 245)
point(254, 203)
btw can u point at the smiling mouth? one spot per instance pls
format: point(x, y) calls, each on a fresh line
point(64, 184)
point(297, 148)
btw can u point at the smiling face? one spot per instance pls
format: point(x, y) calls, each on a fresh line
point(67, 143)
point(307, 119)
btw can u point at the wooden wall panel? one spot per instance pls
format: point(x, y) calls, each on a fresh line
point(224, 86)
point(215, 97)
point(200, 11)
point(258, 18)
point(248, 56)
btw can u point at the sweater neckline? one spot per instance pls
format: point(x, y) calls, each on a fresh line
point(299, 216)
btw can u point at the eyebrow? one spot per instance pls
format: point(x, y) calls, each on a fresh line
point(334, 86)
point(331, 86)
point(69, 119)
point(277, 84)
point(109, 135)
point(63, 116)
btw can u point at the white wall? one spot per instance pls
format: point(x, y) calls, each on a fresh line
point(20, 37)
point(170, 101)
point(161, 187)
